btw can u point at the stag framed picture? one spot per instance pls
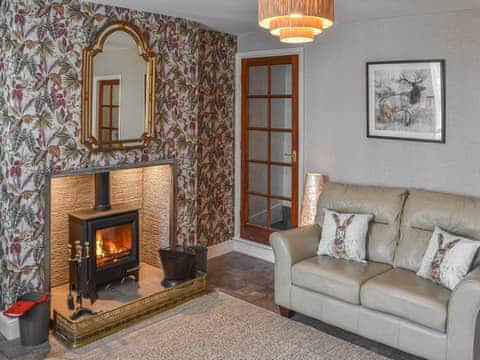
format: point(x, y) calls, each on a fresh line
point(406, 100)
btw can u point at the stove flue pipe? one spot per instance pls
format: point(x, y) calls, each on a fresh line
point(102, 191)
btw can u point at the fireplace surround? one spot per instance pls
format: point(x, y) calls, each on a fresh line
point(83, 217)
point(144, 193)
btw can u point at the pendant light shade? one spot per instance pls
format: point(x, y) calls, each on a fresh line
point(296, 21)
point(296, 35)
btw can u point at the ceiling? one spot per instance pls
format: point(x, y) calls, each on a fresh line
point(240, 16)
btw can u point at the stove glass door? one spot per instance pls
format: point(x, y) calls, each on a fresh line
point(113, 243)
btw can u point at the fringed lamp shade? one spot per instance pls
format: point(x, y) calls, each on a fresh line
point(296, 21)
point(314, 184)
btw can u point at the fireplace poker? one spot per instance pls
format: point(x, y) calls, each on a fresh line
point(70, 302)
point(79, 259)
point(90, 285)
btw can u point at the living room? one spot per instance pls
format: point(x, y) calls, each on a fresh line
point(239, 179)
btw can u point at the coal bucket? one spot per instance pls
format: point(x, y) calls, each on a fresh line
point(177, 264)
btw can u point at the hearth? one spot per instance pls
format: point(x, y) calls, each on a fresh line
point(106, 238)
point(148, 191)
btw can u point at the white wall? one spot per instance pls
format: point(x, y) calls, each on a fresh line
point(335, 141)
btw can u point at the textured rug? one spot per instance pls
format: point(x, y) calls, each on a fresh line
point(218, 326)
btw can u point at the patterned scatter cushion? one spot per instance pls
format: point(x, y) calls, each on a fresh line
point(344, 235)
point(448, 258)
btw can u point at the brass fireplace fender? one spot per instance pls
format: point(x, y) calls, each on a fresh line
point(81, 332)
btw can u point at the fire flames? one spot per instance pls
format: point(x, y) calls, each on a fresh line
point(112, 243)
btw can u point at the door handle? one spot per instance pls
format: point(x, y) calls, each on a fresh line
point(293, 155)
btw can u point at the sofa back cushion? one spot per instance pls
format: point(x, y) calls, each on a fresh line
point(385, 204)
point(459, 215)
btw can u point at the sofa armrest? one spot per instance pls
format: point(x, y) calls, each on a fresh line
point(289, 248)
point(463, 327)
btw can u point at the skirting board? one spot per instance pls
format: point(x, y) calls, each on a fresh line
point(220, 249)
point(9, 327)
point(254, 249)
point(243, 246)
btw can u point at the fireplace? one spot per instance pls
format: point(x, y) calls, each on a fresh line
point(104, 242)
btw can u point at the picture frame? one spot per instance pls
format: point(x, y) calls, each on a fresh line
point(406, 100)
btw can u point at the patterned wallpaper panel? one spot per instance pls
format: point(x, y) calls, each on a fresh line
point(41, 42)
point(215, 140)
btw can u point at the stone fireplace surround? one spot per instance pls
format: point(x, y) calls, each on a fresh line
point(148, 186)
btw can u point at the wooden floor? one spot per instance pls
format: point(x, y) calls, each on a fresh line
point(251, 280)
point(244, 277)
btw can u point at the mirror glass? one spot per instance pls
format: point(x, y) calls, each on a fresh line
point(119, 75)
point(118, 91)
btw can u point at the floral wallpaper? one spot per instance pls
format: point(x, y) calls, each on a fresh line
point(215, 139)
point(40, 92)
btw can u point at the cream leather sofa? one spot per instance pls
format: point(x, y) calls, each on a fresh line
point(383, 299)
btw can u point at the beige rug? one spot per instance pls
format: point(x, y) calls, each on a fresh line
point(218, 326)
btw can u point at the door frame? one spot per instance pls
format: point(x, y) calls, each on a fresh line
point(238, 125)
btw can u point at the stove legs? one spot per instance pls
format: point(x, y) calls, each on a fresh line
point(287, 313)
point(135, 272)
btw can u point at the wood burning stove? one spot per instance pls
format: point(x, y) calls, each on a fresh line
point(110, 236)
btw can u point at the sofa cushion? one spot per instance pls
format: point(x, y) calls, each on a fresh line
point(384, 203)
point(337, 278)
point(448, 258)
point(402, 293)
point(344, 236)
point(424, 210)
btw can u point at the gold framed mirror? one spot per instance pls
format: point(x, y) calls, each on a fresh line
point(118, 90)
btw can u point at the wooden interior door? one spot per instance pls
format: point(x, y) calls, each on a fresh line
point(269, 195)
point(108, 111)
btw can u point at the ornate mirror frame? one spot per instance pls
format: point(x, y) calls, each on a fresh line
point(87, 133)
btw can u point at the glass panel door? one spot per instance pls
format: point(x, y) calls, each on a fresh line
point(108, 114)
point(269, 146)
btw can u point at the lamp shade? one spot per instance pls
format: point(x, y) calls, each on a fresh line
point(296, 21)
point(314, 184)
